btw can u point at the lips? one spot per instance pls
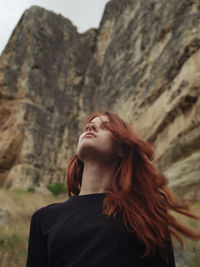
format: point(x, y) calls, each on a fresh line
point(90, 134)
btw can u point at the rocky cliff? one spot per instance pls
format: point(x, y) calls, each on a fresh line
point(142, 63)
point(41, 75)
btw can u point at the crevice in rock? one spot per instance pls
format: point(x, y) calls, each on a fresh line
point(183, 105)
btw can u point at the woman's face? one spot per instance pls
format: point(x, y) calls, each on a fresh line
point(96, 142)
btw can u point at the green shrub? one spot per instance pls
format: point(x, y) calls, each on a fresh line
point(12, 250)
point(13, 242)
point(30, 189)
point(57, 188)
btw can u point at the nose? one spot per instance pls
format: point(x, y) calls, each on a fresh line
point(92, 127)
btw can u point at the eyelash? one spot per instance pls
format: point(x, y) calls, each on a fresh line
point(86, 128)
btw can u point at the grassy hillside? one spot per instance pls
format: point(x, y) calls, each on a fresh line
point(21, 205)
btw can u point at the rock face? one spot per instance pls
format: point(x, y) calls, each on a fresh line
point(42, 70)
point(147, 65)
point(3, 216)
point(183, 258)
point(142, 63)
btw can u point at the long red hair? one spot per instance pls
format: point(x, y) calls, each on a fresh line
point(138, 191)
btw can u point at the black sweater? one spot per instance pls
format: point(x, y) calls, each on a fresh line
point(75, 233)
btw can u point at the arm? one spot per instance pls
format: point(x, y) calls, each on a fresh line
point(36, 247)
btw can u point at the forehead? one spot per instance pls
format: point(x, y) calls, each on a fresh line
point(100, 119)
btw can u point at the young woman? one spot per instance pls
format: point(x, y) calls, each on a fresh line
point(117, 211)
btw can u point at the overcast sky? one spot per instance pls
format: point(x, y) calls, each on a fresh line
point(84, 14)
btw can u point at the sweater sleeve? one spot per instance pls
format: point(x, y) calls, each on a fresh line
point(158, 261)
point(36, 248)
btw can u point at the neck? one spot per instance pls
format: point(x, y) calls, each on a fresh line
point(96, 177)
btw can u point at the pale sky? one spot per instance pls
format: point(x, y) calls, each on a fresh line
point(84, 14)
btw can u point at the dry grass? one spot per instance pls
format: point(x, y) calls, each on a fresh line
point(14, 234)
point(21, 205)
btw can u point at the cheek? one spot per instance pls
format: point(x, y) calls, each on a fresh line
point(110, 143)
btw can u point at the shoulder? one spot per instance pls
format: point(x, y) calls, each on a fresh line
point(52, 211)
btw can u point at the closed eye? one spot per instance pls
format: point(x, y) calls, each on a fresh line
point(101, 126)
